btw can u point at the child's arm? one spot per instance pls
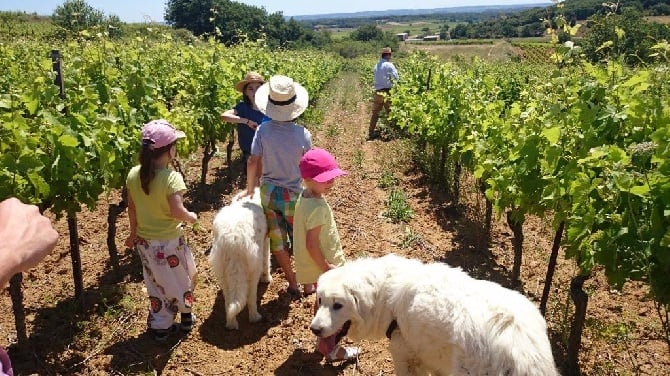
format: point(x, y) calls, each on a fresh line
point(314, 249)
point(132, 218)
point(254, 168)
point(177, 209)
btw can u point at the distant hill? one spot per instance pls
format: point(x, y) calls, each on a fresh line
point(414, 12)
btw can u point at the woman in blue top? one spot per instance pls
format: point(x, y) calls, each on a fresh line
point(246, 114)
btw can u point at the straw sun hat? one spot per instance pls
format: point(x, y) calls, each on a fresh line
point(281, 98)
point(249, 78)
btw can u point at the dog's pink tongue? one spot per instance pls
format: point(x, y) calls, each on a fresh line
point(327, 344)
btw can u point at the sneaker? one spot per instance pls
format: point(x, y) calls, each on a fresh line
point(187, 321)
point(161, 335)
point(343, 354)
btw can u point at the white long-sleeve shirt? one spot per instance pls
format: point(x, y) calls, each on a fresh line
point(385, 74)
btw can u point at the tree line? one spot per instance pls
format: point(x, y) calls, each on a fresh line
point(622, 25)
point(534, 22)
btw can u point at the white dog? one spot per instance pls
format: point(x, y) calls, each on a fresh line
point(440, 320)
point(240, 255)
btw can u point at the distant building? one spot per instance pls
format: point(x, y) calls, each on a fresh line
point(431, 38)
point(402, 36)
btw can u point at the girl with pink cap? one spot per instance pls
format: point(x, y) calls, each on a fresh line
point(156, 211)
point(317, 247)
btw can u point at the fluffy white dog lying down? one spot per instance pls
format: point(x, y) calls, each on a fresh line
point(440, 320)
point(240, 255)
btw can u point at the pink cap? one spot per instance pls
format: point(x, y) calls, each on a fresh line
point(160, 133)
point(319, 165)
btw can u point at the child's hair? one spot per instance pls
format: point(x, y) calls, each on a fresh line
point(147, 155)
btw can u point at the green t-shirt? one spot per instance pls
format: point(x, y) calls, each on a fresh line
point(310, 213)
point(154, 221)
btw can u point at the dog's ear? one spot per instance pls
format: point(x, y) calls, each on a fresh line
point(362, 294)
point(355, 300)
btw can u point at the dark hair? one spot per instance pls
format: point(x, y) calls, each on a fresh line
point(245, 97)
point(147, 157)
point(386, 55)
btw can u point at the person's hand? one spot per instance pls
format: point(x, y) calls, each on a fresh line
point(130, 241)
point(251, 124)
point(26, 237)
point(193, 217)
point(329, 266)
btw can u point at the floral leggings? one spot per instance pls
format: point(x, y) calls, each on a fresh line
point(169, 275)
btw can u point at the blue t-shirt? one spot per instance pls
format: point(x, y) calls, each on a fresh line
point(281, 145)
point(245, 135)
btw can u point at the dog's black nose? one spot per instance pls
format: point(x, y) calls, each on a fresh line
point(317, 332)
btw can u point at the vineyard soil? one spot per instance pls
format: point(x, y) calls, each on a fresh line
point(623, 335)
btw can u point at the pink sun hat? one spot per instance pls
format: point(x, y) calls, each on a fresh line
point(320, 166)
point(160, 133)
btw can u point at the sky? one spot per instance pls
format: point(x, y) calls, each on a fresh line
point(153, 10)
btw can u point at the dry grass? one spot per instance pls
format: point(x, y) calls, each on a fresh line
point(498, 51)
point(659, 19)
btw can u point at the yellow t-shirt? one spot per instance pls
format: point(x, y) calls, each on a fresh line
point(310, 213)
point(154, 221)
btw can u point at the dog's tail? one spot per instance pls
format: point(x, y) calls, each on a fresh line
point(525, 345)
point(231, 272)
point(236, 296)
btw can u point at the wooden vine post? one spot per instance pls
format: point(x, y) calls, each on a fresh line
point(516, 225)
point(581, 299)
point(551, 268)
point(229, 152)
point(207, 154)
point(488, 216)
point(58, 69)
point(75, 255)
point(113, 212)
point(17, 307)
point(56, 62)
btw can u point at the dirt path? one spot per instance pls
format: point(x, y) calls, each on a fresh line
point(109, 336)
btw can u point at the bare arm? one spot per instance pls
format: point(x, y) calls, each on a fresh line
point(177, 209)
point(254, 168)
point(132, 218)
point(231, 116)
point(27, 237)
point(314, 249)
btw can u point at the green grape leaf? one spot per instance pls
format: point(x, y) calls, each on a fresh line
point(68, 140)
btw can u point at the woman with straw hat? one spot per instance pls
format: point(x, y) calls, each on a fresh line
point(275, 156)
point(245, 114)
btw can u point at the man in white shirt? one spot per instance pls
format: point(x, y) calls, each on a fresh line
point(385, 75)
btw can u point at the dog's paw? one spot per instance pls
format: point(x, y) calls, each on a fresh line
point(232, 325)
point(255, 318)
point(266, 278)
